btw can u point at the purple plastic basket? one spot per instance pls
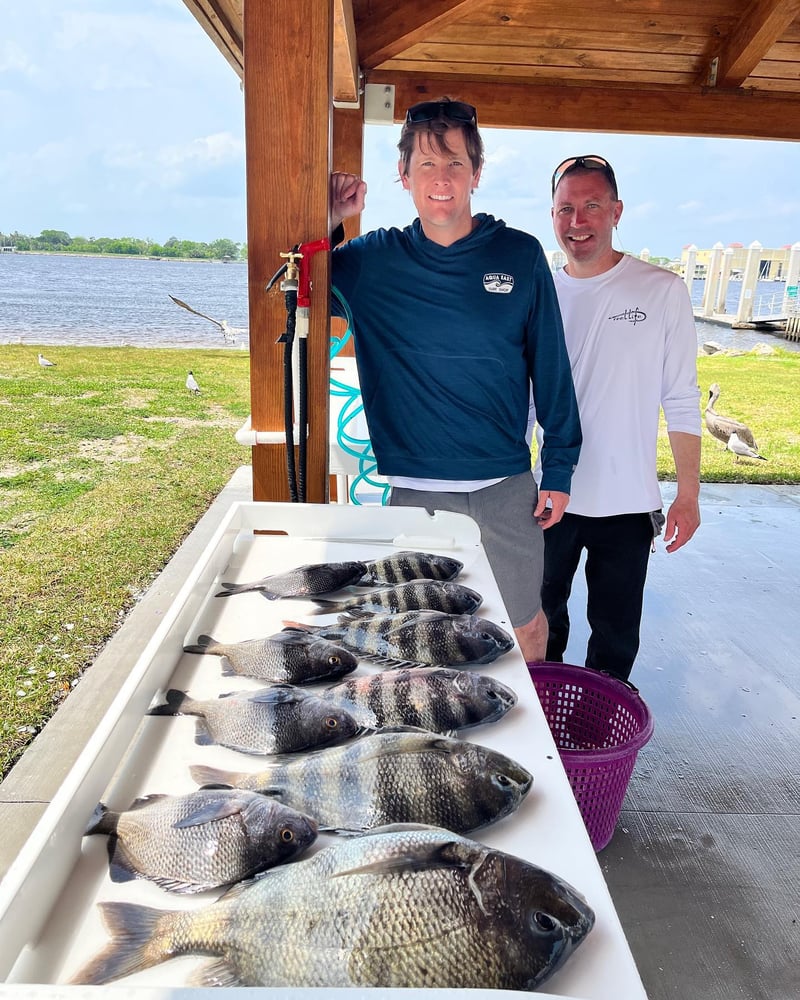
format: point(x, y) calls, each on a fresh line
point(599, 725)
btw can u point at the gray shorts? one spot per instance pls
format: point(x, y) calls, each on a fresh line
point(510, 536)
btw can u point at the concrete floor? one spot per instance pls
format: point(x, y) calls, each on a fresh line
point(704, 867)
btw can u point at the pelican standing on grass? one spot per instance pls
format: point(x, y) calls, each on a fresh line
point(741, 449)
point(228, 332)
point(722, 427)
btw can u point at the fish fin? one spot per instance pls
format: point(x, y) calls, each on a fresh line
point(173, 706)
point(212, 777)
point(278, 694)
point(202, 644)
point(120, 866)
point(140, 938)
point(222, 807)
point(269, 594)
point(217, 973)
point(202, 734)
point(226, 667)
point(390, 663)
point(449, 854)
point(296, 627)
point(181, 888)
point(146, 800)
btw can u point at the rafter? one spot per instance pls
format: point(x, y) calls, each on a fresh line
point(762, 25)
point(345, 54)
point(404, 24)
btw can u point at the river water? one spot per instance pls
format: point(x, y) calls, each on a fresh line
point(109, 301)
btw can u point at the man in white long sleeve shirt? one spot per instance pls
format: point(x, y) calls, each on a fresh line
point(632, 344)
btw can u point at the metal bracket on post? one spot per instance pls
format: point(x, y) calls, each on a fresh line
point(379, 104)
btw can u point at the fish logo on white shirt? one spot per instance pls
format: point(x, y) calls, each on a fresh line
point(498, 283)
point(633, 316)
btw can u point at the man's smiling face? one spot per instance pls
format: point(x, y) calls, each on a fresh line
point(585, 212)
point(441, 184)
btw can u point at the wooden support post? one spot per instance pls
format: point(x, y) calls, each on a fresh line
point(287, 91)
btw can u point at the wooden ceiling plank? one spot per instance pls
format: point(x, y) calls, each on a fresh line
point(514, 56)
point(402, 24)
point(759, 29)
point(631, 110)
point(624, 37)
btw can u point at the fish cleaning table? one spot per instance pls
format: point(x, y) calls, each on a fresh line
point(49, 922)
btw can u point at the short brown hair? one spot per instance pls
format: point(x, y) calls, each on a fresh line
point(436, 130)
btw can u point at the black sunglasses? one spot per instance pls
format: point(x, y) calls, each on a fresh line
point(454, 111)
point(590, 162)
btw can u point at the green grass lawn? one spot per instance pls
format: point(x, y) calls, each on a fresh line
point(107, 463)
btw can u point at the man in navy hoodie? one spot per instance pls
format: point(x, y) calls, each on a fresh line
point(455, 319)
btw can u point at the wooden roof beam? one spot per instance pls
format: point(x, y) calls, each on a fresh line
point(346, 82)
point(762, 25)
point(222, 22)
point(401, 25)
point(735, 114)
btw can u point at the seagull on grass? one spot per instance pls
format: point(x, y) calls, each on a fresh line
point(191, 384)
point(45, 363)
point(228, 332)
point(741, 449)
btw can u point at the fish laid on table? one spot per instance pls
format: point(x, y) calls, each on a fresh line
point(289, 657)
point(400, 775)
point(273, 720)
point(302, 581)
point(407, 908)
point(414, 595)
point(438, 699)
point(432, 638)
point(410, 565)
point(203, 840)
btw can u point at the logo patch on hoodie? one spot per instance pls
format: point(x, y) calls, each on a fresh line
point(500, 284)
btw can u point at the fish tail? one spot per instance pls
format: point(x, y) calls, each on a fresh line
point(141, 937)
point(102, 821)
point(234, 588)
point(212, 776)
point(177, 703)
point(203, 644)
point(296, 626)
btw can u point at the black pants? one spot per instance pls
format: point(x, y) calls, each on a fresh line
point(617, 552)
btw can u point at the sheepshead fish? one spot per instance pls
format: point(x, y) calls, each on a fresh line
point(431, 638)
point(289, 657)
point(409, 565)
point(277, 719)
point(414, 595)
point(438, 699)
point(302, 581)
point(203, 840)
point(400, 775)
point(415, 908)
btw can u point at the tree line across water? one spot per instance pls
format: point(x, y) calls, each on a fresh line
point(57, 241)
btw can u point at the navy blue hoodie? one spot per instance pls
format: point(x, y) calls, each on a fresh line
point(448, 342)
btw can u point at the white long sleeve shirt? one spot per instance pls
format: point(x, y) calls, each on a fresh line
point(632, 345)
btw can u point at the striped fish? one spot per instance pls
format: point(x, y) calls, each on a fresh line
point(393, 776)
point(438, 699)
point(410, 565)
point(421, 638)
point(414, 595)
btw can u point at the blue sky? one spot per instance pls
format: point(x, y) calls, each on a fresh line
point(120, 118)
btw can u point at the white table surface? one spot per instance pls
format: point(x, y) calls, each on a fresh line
point(49, 923)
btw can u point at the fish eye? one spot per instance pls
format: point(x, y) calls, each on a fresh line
point(286, 835)
point(503, 779)
point(487, 635)
point(330, 722)
point(544, 921)
point(334, 661)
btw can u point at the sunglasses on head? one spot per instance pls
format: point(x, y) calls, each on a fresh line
point(454, 111)
point(590, 162)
